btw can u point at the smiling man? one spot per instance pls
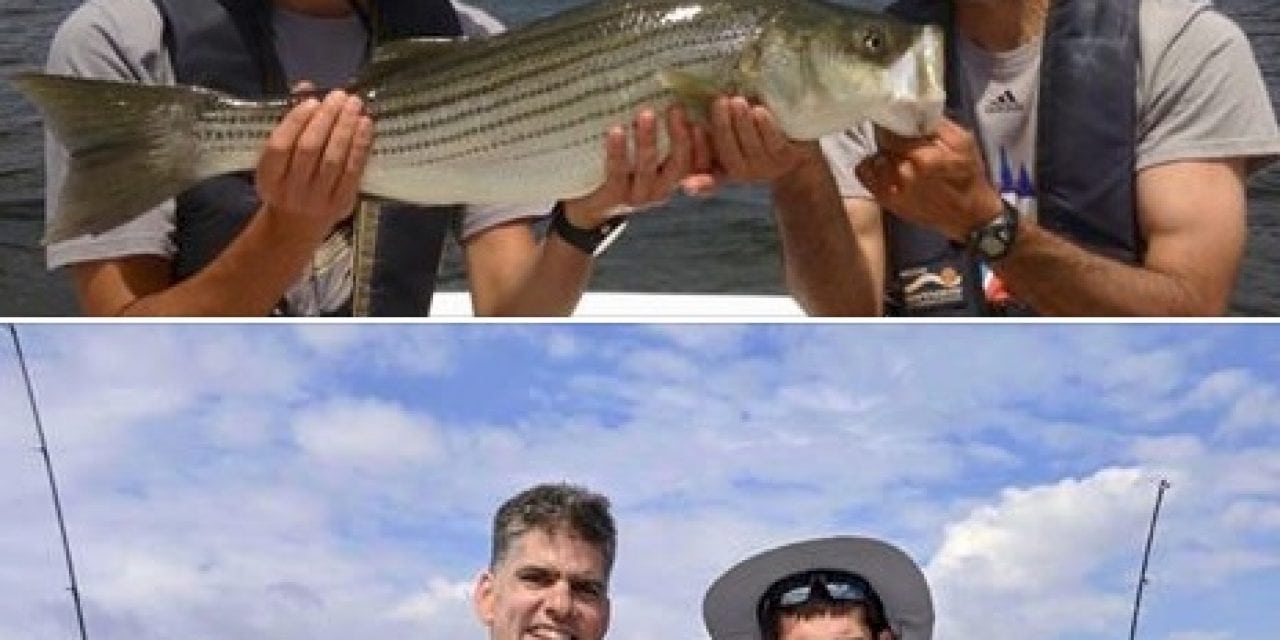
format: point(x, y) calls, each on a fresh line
point(548, 575)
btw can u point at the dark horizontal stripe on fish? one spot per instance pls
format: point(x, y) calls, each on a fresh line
point(499, 70)
point(420, 125)
point(403, 101)
point(222, 139)
point(549, 36)
point(240, 120)
point(239, 133)
point(530, 115)
point(496, 145)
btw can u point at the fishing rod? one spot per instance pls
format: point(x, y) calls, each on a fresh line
point(1146, 557)
point(53, 485)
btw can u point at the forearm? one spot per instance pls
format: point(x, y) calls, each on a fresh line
point(247, 279)
point(1058, 278)
point(825, 267)
point(551, 285)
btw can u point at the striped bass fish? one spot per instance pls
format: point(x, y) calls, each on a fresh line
point(516, 118)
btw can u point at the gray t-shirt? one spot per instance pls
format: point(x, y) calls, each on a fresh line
point(1200, 96)
point(124, 40)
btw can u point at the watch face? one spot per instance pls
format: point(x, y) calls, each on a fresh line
point(996, 239)
point(992, 245)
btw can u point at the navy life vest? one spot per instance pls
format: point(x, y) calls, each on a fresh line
point(226, 45)
point(1086, 149)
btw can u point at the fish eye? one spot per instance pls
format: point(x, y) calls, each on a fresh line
point(873, 40)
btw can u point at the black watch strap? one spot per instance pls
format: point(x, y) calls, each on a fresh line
point(592, 242)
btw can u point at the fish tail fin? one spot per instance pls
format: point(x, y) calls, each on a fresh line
point(130, 146)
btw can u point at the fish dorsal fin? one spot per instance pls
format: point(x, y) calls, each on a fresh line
point(397, 55)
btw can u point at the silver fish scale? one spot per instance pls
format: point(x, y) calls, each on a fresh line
point(548, 45)
point(232, 135)
point(535, 109)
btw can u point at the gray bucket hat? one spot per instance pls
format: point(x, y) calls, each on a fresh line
point(730, 606)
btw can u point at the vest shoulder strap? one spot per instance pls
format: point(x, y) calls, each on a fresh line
point(226, 45)
point(1085, 156)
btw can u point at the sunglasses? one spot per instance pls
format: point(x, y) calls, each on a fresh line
point(819, 585)
point(835, 590)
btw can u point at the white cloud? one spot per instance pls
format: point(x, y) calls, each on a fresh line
point(443, 608)
point(712, 341)
point(1142, 381)
point(1219, 520)
point(1169, 450)
point(330, 339)
point(1252, 515)
point(393, 350)
point(1036, 552)
point(143, 579)
point(1218, 566)
point(365, 433)
point(422, 351)
point(561, 345)
point(1254, 410)
point(1250, 403)
point(1219, 387)
point(661, 364)
point(240, 426)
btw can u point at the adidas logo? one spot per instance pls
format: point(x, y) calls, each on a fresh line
point(1005, 103)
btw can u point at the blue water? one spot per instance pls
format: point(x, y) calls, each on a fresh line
point(723, 245)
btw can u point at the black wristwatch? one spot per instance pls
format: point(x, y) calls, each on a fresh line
point(994, 240)
point(592, 242)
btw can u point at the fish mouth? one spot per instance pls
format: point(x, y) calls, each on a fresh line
point(916, 87)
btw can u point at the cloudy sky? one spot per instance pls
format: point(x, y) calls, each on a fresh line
point(330, 482)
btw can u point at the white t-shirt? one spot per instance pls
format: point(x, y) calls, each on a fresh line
point(1200, 96)
point(124, 40)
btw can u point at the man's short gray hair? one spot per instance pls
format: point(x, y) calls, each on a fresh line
point(555, 508)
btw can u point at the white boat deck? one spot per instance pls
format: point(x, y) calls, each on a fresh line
point(457, 304)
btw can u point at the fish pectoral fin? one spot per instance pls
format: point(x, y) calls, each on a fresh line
point(694, 92)
point(398, 55)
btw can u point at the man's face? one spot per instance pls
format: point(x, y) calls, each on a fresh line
point(550, 586)
point(827, 624)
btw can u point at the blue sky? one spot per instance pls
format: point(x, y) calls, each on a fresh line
point(329, 481)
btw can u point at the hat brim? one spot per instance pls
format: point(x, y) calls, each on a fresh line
point(729, 609)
